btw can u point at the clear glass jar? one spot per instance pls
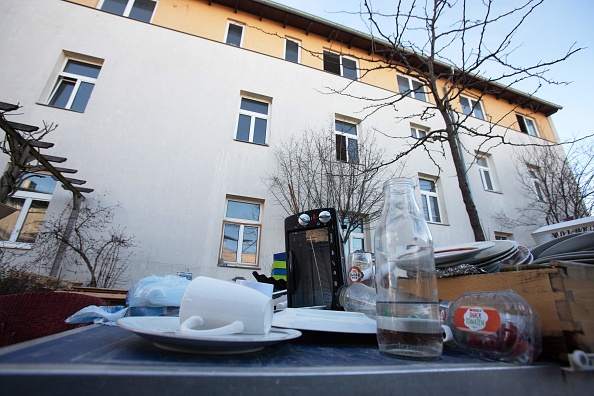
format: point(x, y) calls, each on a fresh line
point(407, 307)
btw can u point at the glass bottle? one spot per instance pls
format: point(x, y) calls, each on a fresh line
point(407, 307)
point(358, 297)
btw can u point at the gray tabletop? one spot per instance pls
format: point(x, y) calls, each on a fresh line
point(109, 360)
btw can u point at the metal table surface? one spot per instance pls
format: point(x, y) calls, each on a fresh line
point(110, 360)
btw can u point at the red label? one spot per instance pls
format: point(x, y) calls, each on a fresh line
point(355, 274)
point(477, 319)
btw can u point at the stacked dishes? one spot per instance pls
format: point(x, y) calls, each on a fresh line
point(578, 247)
point(487, 256)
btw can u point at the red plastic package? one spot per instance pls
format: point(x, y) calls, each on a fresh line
point(497, 325)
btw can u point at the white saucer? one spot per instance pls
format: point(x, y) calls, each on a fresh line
point(324, 320)
point(163, 331)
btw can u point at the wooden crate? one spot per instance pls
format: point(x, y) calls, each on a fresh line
point(563, 296)
point(111, 296)
point(578, 280)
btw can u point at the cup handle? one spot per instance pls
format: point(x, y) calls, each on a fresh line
point(187, 328)
point(447, 333)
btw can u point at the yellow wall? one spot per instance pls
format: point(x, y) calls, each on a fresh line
point(196, 17)
point(88, 3)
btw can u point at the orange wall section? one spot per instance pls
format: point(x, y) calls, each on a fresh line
point(88, 3)
point(197, 18)
point(267, 37)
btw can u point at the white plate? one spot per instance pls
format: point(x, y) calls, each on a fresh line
point(447, 254)
point(163, 331)
point(324, 320)
point(537, 250)
point(500, 251)
point(575, 244)
point(573, 256)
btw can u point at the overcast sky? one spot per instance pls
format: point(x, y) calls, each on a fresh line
point(548, 33)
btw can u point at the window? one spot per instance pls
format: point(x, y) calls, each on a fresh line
point(292, 50)
point(356, 240)
point(417, 132)
point(527, 125)
point(252, 125)
point(503, 236)
point(472, 107)
point(340, 64)
point(234, 34)
point(141, 10)
point(346, 141)
point(74, 85)
point(411, 88)
point(535, 184)
point(31, 201)
point(430, 200)
point(241, 233)
point(485, 171)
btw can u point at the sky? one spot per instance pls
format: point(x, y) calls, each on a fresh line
point(547, 34)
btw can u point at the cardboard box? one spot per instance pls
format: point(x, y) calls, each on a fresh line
point(563, 296)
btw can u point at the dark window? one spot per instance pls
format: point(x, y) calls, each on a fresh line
point(291, 51)
point(341, 148)
point(234, 34)
point(141, 10)
point(115, 6)
point(74, 85)
point(340, 65)
point(349, 68)
point(346, 147)
point(253, 121)
point(332, 62)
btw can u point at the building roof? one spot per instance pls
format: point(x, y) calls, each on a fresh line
point(308, 23)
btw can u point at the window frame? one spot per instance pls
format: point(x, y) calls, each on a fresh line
point(295, 41)
point(128, 9)
point(536, 184)
point(503, 236)
point(239, 24)
point(238, 263)
point(29, 197)
point(427, 198)
point(415, 132)
point(486, 173)
point(253, 116)
point(523, 124)
point(411, 92)
point(348, 137)
point(78, 79)
point(341, 66)
point(348, 243)
point(473, 105)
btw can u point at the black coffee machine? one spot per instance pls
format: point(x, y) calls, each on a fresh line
point(315, 258)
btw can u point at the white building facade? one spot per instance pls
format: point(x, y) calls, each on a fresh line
point(180, 130)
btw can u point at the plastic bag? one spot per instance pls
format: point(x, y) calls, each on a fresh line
point(158, 291)
point(95, 314)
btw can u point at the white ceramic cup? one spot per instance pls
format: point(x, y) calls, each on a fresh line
point(214, 307)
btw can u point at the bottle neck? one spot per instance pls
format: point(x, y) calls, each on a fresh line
point(399, 194)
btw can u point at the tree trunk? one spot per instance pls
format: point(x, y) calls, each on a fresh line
point(473, 215)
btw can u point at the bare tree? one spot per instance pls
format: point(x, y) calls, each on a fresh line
point(558, 186)
point(315, 170)
point(447, 45)
point(94, 244)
